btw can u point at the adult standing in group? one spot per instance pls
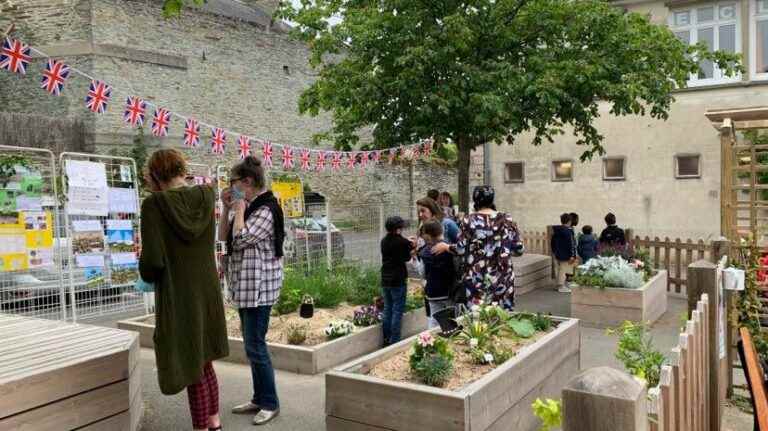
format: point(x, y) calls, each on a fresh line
point(428, 209)
point(446, 203)
point(487, 241)
point(253, 223)
point(177, 256)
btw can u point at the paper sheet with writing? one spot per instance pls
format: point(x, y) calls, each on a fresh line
point(89, 260)
point(123, 258)
point(87, 201)
point(122, 200)
point(91, 175)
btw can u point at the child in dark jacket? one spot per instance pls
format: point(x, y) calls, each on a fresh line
point(564, 250)
point(587, 244)
point(439, 270)
point(395, 252)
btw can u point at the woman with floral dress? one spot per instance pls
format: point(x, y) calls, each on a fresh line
point(487, 241)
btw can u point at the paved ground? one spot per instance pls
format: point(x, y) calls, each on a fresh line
point(302, 396)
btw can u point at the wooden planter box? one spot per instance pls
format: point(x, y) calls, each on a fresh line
point(532, 271)
point(302, 359)
point(612, 306)
point(500, 400)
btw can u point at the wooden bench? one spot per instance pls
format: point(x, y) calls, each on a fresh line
point(755, 379)
point(60, 376)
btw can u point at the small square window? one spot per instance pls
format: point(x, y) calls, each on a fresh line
point(687, 166)
point(562, 170)
point(613, 168)
point(514, 172)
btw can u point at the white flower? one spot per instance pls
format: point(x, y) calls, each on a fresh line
point(475, 308)
point(473, 342)
point(488, 358)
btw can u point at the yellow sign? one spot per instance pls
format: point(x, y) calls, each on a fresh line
point(290, 194)
point(13, 243)
point(26, 240)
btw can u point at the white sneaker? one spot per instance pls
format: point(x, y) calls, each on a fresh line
point(264, 416)
point(564, 289)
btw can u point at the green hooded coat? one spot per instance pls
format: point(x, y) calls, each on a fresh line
point(177, 234)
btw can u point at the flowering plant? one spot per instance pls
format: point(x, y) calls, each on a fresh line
point(339, 328)
point(613, 271)
point(366, 315)
point(431, 359)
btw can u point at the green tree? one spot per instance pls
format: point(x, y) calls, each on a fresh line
point(477, 71)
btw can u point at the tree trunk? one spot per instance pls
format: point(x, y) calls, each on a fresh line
point(464, 158)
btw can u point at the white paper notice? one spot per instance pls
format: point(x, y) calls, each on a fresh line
point(25, 203)
point(125, 174)
point(122, 200)
point(89, 260)
point(119, 225)
point(88, 201)
point(90, 175)
point(86, 225)
point(123, 258)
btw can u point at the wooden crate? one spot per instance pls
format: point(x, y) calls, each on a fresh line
point(303, 359)
point(500, 400)
point(61, 376)
point(612, 306)
point(532, 271)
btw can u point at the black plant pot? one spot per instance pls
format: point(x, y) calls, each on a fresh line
point(307, 308)
point(446, 318)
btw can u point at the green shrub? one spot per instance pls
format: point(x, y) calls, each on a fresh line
point(637, 354)
point(434, 370)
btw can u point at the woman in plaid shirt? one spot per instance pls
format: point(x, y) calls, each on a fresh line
point(252, 222)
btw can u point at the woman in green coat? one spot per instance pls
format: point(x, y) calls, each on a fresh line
point(177, 233)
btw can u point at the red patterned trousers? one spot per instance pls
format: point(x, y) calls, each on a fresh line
point(204, 398)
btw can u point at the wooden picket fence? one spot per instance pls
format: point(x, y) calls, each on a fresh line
point(680, 402)
point(674, 255)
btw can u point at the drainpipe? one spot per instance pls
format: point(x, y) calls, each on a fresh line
point(487, 163)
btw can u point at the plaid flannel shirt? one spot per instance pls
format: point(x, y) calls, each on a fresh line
point(255, 274)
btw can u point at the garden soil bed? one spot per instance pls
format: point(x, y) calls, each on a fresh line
point(373, 393)
point(611, 306)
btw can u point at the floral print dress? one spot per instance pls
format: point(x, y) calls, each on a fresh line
point(487, 243)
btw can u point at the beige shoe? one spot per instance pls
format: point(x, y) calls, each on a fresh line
point(264, 416)
point(247, 408)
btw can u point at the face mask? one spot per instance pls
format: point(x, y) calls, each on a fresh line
point(237, 194)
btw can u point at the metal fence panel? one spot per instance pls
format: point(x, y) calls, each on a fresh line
point(31, 280)
point(103, 243)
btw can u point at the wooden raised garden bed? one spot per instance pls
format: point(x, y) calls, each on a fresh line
point(301, 359)
point(612, 306)
point(532, 271)
point(498, 400)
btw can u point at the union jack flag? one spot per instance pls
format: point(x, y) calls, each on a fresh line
point(351, 160)
point(363, 159)
point(98, 96)
point(287, 157)
point(336, 161)
point(266, 150)
point(320, 161)
point(415, 152)
point(55, 74)
point(427, 148)
point(377, 156)
point(218, 140)
point(160, 123)
point(244, 146)
point(392, 155)
point(304, 160)
point(14, 56)
point(135, 110)
point(191, 133)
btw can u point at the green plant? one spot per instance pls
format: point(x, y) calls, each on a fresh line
point(296, 333)
point(364, 285)
point(542, 322)
point(550, 412)
point(289, 300)
point(8, 164)
point(523, 328)
point(339, 328)
point(431, 359)
point(366, 315)
point(414, 301)
point(637, 353)
point(748, 306)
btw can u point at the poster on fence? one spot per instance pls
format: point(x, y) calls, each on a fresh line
point(87, 191)
point(290, 194)
point(13, 242)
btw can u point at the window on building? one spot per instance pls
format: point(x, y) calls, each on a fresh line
point(716, 25)
point(514, 172)
point(562, 170)
point(613, 168)
point(687, 166)
point(758, 35)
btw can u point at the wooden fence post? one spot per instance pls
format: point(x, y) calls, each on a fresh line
point(548, 250)
point(603, 398)
point(720, 247)
point(703, 279)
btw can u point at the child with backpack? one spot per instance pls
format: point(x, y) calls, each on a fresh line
point(587, 244)
point(439, 270)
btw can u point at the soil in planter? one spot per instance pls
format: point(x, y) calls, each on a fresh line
point(465, 371)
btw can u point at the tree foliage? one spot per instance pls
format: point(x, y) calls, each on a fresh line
point(477, 71)
point(172, 8)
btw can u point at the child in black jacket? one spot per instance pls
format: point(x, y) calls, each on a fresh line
point(439, 270)
point(564, 250)
point(396, 250)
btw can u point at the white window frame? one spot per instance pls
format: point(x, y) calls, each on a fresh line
point(553, 170)
point(623, 168)
point(753, 18)
point(522, 168)
point(693, 27)
point(686, 177)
